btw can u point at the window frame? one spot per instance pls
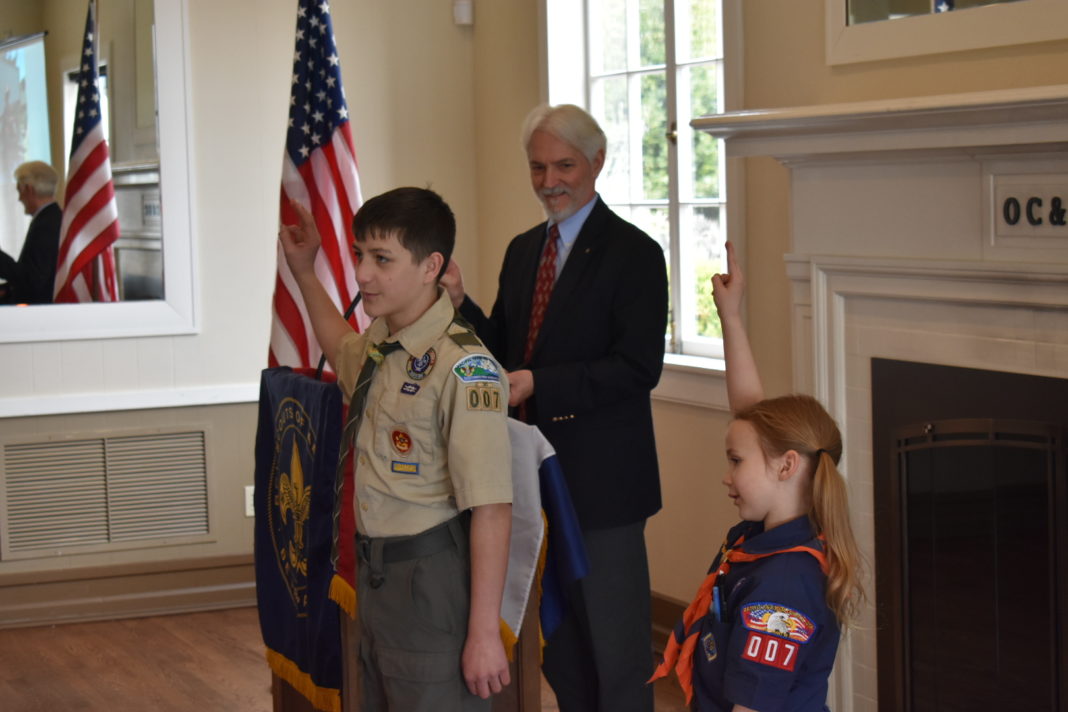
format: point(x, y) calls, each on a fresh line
point(566, 79)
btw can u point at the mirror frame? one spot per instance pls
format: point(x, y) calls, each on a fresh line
point(176, 313)
point(1012, 23)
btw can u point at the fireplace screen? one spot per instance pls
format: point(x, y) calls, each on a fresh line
point(981, 502)
point(971, 538)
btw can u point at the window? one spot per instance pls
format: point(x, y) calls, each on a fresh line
point(649, 67)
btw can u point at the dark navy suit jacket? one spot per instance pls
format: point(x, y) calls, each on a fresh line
point(597, 358)
point(30, 279)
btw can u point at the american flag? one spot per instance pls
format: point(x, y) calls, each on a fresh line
point(85, 271)
point(319, 171)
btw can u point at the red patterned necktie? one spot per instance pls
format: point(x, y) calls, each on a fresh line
point(543, 289)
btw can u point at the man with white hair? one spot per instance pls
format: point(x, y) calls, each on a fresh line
point(30, 278)
point(579, 325)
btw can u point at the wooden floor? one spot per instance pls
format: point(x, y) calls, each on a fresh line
point(199, 662)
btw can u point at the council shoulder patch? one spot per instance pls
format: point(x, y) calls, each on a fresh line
point(778, 620)
point(477, 368)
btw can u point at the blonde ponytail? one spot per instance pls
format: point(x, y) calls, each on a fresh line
point(830, 515)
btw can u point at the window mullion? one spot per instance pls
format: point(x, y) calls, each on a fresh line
point(674, 232)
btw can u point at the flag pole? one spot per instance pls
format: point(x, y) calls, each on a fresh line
point(345, 316)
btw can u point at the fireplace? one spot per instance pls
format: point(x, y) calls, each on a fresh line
point(900, 251)
point(971, 538)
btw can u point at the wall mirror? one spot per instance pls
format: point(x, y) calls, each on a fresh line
point(144, 52)
point(876, 10)
point(870, 30)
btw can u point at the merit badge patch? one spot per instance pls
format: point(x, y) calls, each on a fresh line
point(484, 397)
point(708, 644)
point(402, 441)
point(405, 468)
point(477, 368)
point(418, 368)
point(772, 651)
point(409, 389)
point(778, 620)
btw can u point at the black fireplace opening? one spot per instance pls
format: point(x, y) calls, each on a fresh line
point(971, 522)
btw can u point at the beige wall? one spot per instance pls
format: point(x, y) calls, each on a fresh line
point(411, 80)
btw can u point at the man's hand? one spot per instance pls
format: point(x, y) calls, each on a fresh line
point(727, 289)
point(520, 386)
point(485, 665)
point(300, 242)
point(453, 282)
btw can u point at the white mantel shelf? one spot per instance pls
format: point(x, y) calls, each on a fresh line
point(1015, 120)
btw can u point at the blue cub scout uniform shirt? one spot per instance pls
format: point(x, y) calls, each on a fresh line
point(773, 643)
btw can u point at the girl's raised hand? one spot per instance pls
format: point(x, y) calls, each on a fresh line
point(727, 289)
point(300, 242)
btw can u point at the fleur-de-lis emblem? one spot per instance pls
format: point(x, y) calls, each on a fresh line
point(294, 499)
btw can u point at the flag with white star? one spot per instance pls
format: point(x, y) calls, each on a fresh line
point(319, 171)
point(85, 270)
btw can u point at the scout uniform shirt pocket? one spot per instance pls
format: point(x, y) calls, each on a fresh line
point(406, 437)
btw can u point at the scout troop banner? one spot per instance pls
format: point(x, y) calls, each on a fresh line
point(297, 441)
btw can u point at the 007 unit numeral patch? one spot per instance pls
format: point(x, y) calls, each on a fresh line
point(484, 397)
point(769, 650)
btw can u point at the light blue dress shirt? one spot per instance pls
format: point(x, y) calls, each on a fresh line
point(569, 231)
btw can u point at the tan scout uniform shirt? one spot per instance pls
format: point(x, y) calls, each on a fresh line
point(434, 437)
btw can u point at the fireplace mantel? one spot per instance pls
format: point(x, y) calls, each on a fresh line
point(1034, 118)
point(900, 248)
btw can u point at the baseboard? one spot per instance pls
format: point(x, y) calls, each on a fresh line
point(667, 611)
point(126, 591)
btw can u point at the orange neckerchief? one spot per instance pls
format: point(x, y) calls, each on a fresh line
point(680, 646)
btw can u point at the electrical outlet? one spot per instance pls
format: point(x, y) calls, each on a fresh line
point(250, 507)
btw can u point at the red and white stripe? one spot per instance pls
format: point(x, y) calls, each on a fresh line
point(328, 185)
point(85, 270)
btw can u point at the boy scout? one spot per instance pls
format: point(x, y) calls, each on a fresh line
point(433, 463)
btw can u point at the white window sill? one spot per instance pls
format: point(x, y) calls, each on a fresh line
point(693, 380)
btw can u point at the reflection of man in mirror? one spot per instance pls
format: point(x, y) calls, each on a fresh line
point(30, 278)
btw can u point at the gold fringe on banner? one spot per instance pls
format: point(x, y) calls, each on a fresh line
point(343, 594)
point(327, 699)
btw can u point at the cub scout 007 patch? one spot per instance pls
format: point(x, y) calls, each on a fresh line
point(477, 368)
point(771, 651)
point(778, 620)
point(483, 396)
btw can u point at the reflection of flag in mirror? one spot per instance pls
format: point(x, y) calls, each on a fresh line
point(318, 171)
point(86, 268)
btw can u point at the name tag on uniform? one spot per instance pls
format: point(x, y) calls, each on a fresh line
point(405, 468)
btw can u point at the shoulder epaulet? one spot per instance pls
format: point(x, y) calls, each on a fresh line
point(462, 333)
